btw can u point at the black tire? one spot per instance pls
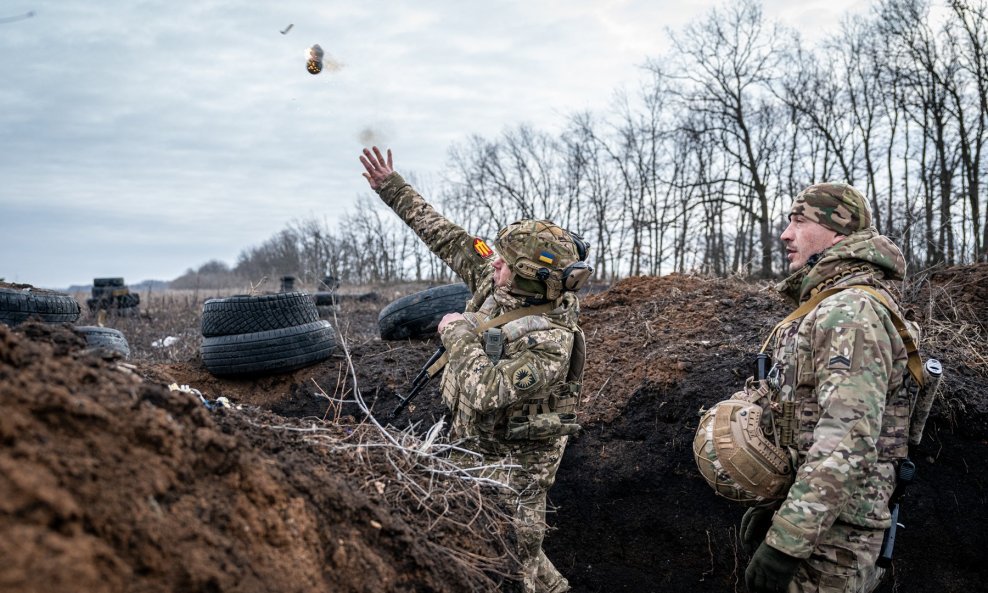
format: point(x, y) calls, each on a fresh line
point(323, 298)
point(126, 301)
point(119, 304)
point(273, 351)
point(103, 291)
point(418, 314)
point(244, 314)
point(113, 282)
point(105, 337)
point(50, 307)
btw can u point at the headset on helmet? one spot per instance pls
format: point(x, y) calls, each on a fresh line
point(542, 251)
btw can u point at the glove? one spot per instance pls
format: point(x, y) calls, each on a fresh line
point(770, 571)
point(754, 525)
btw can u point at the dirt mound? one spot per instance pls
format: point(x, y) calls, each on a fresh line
point(113, 483)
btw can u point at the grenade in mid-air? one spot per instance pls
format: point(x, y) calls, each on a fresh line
point(313, 62)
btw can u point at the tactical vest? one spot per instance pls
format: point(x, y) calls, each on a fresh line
point(795, 417)
point(547, 414)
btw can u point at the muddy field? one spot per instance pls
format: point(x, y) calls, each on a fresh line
point(112, 482)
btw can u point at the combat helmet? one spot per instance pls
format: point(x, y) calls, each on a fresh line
point(735, 456)
point(543, 254)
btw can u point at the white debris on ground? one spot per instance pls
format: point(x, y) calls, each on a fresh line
point(211, 404)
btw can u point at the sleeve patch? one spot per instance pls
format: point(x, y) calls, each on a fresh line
point(482, 248)
point(843, 350)
point(525, 377)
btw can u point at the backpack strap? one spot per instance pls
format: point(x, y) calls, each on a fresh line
point(915, 364)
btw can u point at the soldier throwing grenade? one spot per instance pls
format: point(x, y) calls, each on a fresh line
point(515, 357)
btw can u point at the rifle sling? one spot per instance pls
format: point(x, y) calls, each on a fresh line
point(495, 322)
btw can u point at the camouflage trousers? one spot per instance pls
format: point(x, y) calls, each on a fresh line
point(527, 502)
point(842, 562)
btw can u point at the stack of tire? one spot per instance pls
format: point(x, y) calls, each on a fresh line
point(250, 335)
point(22, 302)
point(112, 295)
point(418, 315)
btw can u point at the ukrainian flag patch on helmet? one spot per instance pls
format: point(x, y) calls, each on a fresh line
point(547, 258)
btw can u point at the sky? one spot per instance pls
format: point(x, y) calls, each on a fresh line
point(141, 138)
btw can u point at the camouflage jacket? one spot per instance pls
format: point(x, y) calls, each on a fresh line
point(839, 374)
point(483, 394)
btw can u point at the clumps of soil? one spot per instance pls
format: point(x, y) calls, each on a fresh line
point(113, 483)
point(649, 330)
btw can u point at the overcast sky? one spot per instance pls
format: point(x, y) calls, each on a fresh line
point(143, 138)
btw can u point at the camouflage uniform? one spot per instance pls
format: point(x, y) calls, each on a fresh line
point(482, 394)
point(842, 410)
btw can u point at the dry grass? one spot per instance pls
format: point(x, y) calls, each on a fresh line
point(951, 328)
point(161, 315)
point(423, 479)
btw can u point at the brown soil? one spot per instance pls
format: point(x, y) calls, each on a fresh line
point(111, 482)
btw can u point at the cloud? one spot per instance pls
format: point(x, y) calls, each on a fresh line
point(195, 129)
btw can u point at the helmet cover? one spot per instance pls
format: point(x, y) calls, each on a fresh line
point(543, 251)
point(734, 455)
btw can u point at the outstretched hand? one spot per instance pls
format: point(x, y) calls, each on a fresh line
point(377, 168)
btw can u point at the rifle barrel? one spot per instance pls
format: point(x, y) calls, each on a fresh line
point(418, 383)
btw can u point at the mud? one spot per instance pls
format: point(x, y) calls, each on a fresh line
point(111, 482)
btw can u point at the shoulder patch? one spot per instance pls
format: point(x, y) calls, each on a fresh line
point(845, 350)
point(524, 377)
point(482, 248)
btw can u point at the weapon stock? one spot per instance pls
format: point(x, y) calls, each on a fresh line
point(418, 383)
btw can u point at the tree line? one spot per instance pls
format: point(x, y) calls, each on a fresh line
point(696, 169)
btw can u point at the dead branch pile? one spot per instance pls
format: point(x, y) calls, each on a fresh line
point(422, 480)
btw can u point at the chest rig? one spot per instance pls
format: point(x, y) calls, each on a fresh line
point(793, 418)
point(553, 412)
point(550, 411)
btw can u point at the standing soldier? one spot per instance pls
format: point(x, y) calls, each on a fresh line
point(840, 374)
point(515, 358)
point(821, 462)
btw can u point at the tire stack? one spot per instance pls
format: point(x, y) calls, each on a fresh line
point(326, 297)
point(112, 295)
point(21, 303)
point(249, 335)
point(418, 315)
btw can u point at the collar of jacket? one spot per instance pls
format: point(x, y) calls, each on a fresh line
point(864, 257)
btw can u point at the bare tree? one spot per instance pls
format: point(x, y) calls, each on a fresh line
point(728, 61)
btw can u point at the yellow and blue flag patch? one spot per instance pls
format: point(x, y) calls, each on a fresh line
point(547, 258)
